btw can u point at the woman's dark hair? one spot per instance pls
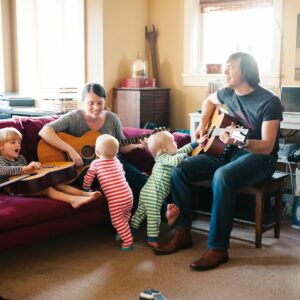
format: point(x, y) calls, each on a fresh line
point(248, 68)
point(95, 88)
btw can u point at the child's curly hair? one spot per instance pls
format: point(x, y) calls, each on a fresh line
point(9, 133)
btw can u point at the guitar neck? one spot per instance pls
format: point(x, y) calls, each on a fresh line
point(217, 131)
point(17, 178)
point(134, 140)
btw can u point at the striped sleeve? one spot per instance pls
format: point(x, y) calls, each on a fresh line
point(90, 175)
point(185, 149)
point(176, 159)
point(173, 160)
point(9, 168)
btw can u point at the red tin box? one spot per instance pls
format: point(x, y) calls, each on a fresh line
point(138, 83)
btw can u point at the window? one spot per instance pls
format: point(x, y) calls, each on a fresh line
point(50, 38)
point(210, 37)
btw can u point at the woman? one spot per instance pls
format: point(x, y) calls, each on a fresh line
point(93, 116)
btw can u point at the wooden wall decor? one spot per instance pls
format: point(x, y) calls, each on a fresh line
point(152, 36)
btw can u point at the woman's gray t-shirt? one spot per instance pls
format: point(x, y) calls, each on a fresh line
point(75, 124)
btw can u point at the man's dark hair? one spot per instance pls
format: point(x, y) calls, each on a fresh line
point(96, 88)
point(248, 68)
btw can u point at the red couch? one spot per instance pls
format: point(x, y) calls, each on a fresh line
point(27, 219)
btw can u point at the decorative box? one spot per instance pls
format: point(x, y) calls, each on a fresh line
point(138, 83)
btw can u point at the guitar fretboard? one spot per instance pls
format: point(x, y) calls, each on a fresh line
point(136, 139)
point(239, 133)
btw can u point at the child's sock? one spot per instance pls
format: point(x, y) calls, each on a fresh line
point(129, 248)
point(152, 242)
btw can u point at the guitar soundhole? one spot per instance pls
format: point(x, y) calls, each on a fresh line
point(88, 152)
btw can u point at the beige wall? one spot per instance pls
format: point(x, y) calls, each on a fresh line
point(124, 35)
point(124, 23)
point(167, 15)
point(290, 11)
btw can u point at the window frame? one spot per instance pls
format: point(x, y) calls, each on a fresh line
point(192, 74)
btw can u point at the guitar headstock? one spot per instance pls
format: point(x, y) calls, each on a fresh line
point(158, 129)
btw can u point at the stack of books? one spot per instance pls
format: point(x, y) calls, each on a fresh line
point(14, 99)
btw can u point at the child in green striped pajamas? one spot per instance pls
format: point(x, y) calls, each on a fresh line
point(164, 149)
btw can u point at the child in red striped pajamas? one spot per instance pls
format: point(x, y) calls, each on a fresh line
point(111, 176)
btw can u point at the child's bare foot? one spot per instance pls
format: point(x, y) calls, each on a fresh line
point(172, 214)
point(153, 244)
point(94, 195)
point(77, 201)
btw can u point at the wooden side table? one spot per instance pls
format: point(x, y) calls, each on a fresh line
point(136, 107)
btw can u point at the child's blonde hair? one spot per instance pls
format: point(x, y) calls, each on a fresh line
point(157, 143)
point(107, 146)
point(9, 133)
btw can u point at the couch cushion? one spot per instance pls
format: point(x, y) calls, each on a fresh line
point(31, 128)
point(181, 139)
point(142, 159)
point(18, 211)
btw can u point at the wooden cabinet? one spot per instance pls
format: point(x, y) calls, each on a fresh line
point(136, 107)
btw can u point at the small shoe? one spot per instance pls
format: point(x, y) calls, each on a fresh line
point(182, 239)
point(152, 294)
point(210, 260)
point(118, 238)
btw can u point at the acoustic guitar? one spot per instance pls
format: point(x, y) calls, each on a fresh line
point(215, 128)
point(48, 175)
point(84, 145)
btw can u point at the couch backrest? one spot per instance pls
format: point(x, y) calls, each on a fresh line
point(30, 127)
point(143, 159)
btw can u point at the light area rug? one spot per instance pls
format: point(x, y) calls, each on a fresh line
point(88, 265)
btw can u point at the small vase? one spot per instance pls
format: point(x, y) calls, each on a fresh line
point(296, 213)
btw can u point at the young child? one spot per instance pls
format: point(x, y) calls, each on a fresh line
point(164, 149)
point(12, 163)
point(111, 176)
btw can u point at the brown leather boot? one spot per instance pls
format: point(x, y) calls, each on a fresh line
point(210, 260)
point(182, 239)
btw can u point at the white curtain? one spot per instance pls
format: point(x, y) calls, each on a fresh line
point(50, 36)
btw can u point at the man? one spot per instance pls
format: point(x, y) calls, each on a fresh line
point(240, 165)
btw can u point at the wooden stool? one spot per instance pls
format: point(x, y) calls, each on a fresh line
point(272, 186)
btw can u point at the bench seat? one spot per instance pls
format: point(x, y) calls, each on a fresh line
point(273, 186)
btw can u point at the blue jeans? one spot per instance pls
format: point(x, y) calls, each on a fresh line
point(228, 175)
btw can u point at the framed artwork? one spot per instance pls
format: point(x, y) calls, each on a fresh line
point(297, 62)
